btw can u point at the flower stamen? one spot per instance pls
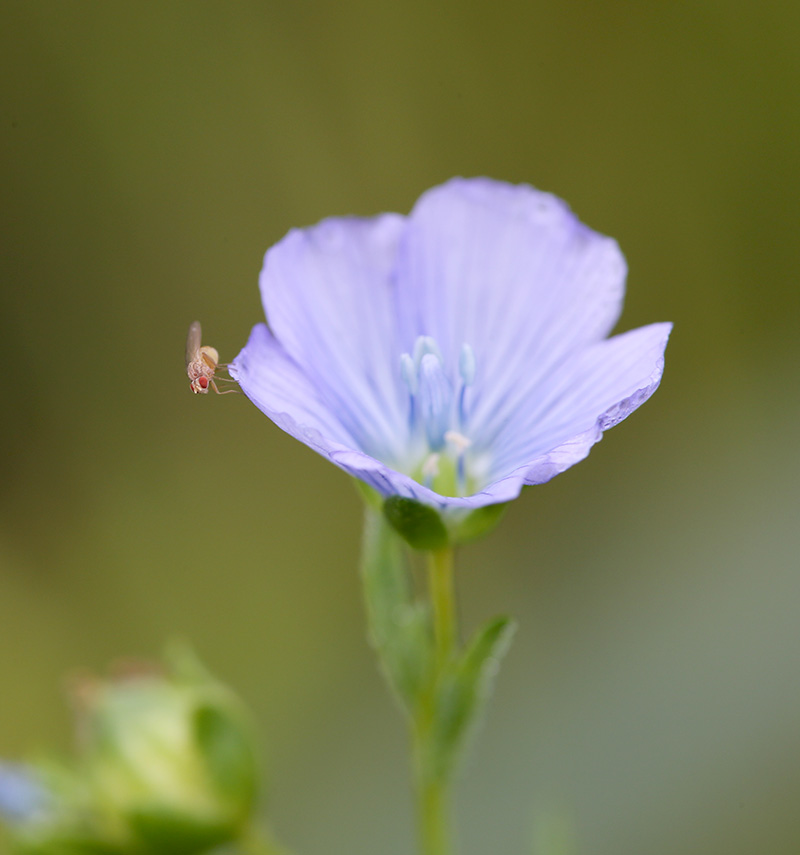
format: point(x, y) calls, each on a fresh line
point(437, 412)
point(430, 469)
point(435, 399)
point(459, 442)
point(466, 368)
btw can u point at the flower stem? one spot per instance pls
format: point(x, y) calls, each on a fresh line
point(440, 580)
point(432, 782)
point(434, 821)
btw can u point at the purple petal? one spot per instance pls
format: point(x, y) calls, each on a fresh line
point(587, 394)
point(327, 292)
point(510, 271)
point(609, 381)
point(284, 392)
point(389, 482)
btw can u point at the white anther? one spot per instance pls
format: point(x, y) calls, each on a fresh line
point(458, 441)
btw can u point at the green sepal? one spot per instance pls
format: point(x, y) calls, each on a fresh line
point(479, 522)
point(165, 832)
point(419, 525)
point(463, 690)
point(226, 744)
point(399, 627)
point(222, 729)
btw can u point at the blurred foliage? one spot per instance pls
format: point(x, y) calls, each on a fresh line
point(164, 764)
point(152, 153)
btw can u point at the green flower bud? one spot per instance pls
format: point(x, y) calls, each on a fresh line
point(166, 766)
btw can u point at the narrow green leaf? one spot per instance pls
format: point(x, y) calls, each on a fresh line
point(399, 627)
point(464, 690)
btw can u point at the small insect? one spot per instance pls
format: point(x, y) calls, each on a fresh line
point(202, 362)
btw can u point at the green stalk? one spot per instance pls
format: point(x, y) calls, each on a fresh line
point(434, 820)
point(440, 581)
point(433, 786)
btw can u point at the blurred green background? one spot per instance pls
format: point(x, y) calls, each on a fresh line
point(151, 153)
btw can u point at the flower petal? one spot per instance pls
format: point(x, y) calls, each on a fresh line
point(327, 292)
point(585, 395)
point(281, 390)
point(510, 271)
point(389, 482)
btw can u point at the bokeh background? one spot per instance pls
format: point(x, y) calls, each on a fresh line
point(152, 151)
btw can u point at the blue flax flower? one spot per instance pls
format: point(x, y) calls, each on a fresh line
point(454, 355)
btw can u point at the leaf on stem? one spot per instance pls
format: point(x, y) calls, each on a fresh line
point(464, 689)
point(399, 627)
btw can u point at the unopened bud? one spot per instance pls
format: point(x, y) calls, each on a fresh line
point(166, 766)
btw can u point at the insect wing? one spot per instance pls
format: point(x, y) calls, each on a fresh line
point(193, 340)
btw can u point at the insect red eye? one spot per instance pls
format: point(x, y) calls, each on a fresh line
point(203, 381)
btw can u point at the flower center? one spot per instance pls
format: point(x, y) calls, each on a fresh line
point(437, 416)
